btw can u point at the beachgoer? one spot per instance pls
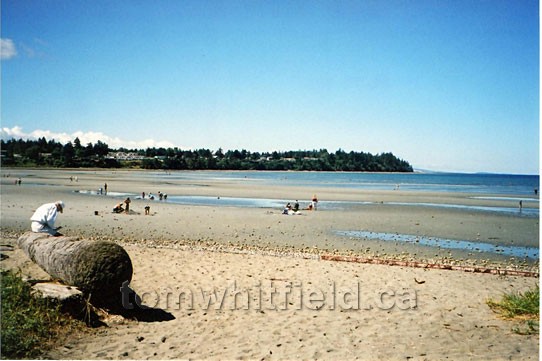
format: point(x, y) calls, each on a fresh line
point(105, 188)
point(147, 210)
point(118, 208)
point(43, 219)
point(520, 205)
point(287, 208)
point(315, 201)
point(127, 202)
point(296, 206)
point(143, 195)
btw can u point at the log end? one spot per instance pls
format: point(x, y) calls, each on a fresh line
point(101, 270)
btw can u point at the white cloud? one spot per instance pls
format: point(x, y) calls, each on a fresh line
point(85, 137)
point(7, 49)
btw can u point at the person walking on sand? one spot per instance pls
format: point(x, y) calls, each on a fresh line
point(127, 202)
point(315, 202)
point(43, 219)
point(105, 188)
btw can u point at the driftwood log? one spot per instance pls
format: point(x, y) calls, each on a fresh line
point(98, 269)
point(71, 299)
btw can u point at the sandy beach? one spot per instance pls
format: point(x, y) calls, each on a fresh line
point(281, 299)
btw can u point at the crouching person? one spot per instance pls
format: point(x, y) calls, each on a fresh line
point(43, 219)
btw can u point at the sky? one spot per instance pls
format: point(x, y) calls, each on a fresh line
point(447, 85)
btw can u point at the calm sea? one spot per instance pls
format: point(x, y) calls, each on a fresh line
point(504, 184)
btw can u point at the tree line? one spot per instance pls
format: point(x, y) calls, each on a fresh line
point(50, 153)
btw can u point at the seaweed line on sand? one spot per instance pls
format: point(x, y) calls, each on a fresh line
point(442, 266)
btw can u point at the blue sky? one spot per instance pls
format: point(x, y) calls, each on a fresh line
point(445, 84)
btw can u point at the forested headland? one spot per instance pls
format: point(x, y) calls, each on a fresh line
point(49, 153)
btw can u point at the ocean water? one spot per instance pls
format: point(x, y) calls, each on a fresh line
point(506, 184)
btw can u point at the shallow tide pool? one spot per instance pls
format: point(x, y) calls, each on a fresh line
point(523, 252)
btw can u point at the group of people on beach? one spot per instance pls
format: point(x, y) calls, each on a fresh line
point(18, 181)
point(119, 208)
point(161, 196)
point(102, 189)
point(43, 219)
point(312, 206)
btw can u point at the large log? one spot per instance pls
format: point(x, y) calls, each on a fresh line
point(97, 268)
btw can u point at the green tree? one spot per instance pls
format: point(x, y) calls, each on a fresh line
point(68, 154)
point(100, 149)
point(78, 148)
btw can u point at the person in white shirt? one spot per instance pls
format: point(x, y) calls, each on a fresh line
point(43, 219)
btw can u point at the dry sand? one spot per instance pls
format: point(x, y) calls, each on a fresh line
point(270, 307)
